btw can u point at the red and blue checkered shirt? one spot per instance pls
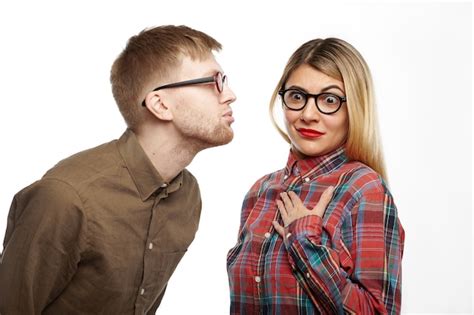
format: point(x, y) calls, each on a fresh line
point(347, 262)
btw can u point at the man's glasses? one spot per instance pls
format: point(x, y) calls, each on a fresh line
point(219, 79)
point(326, 103)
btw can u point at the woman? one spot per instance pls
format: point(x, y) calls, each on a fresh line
point(343, 254)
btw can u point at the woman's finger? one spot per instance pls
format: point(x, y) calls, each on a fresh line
point(287, 202)
point(279, 228)
point(323, 202)
point(295, 199)
point(284, 214)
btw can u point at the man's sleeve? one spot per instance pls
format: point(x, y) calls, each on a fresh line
point(46, 232)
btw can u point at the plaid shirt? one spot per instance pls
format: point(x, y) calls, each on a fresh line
point(347, 262)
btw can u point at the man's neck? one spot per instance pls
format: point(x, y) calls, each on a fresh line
point(168, 155)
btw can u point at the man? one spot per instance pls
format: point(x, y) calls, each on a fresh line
point(103, 230)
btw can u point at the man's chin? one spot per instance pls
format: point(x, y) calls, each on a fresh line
point(218, 139)
point(225, 139)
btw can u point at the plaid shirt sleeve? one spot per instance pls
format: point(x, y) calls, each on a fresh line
point(249, 201)
point(372, 284)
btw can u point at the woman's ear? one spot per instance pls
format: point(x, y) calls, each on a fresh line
point(154, 102)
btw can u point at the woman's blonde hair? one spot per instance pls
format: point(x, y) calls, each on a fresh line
point(339, 60)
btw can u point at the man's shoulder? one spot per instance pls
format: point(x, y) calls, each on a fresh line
point(189, 177)
point(190, 183)
point(47, 191)
point(86, 165)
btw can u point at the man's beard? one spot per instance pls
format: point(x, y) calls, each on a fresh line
point(202, 132)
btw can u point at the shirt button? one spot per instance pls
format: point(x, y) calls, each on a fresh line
point(258, 279)
point(142, 291)
point(285, 177)
point(164, 185)
point(307, 275)
point(267, 235)
point(150, 246)
point(288, 235)
point(306, 179)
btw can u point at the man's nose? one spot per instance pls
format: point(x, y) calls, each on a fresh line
point(228, 95)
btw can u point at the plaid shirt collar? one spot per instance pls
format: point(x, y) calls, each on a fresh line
point(315, 166)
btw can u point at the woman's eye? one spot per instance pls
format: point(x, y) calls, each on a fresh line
point(331, 100)
point(296, 96)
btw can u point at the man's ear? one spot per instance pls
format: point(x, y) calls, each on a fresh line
point(155, 104)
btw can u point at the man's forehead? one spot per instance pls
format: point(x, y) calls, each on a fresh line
point(206, 66)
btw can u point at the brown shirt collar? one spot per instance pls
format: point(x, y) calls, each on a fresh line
point(144, 174)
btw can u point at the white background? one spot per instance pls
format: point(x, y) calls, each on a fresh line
point(55, 100)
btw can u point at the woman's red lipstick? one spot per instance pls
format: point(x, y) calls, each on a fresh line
point(309, 133)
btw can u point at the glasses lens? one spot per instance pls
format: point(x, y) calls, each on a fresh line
point(328, 103)
point(224, 81)
point(294, 99)
point(219, 82)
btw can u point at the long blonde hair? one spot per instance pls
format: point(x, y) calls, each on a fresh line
point(338, 59)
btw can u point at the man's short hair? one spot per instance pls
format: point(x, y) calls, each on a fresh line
point(149, 58)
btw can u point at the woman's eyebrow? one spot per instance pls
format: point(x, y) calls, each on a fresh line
point(329, 87)
point(332, 87)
